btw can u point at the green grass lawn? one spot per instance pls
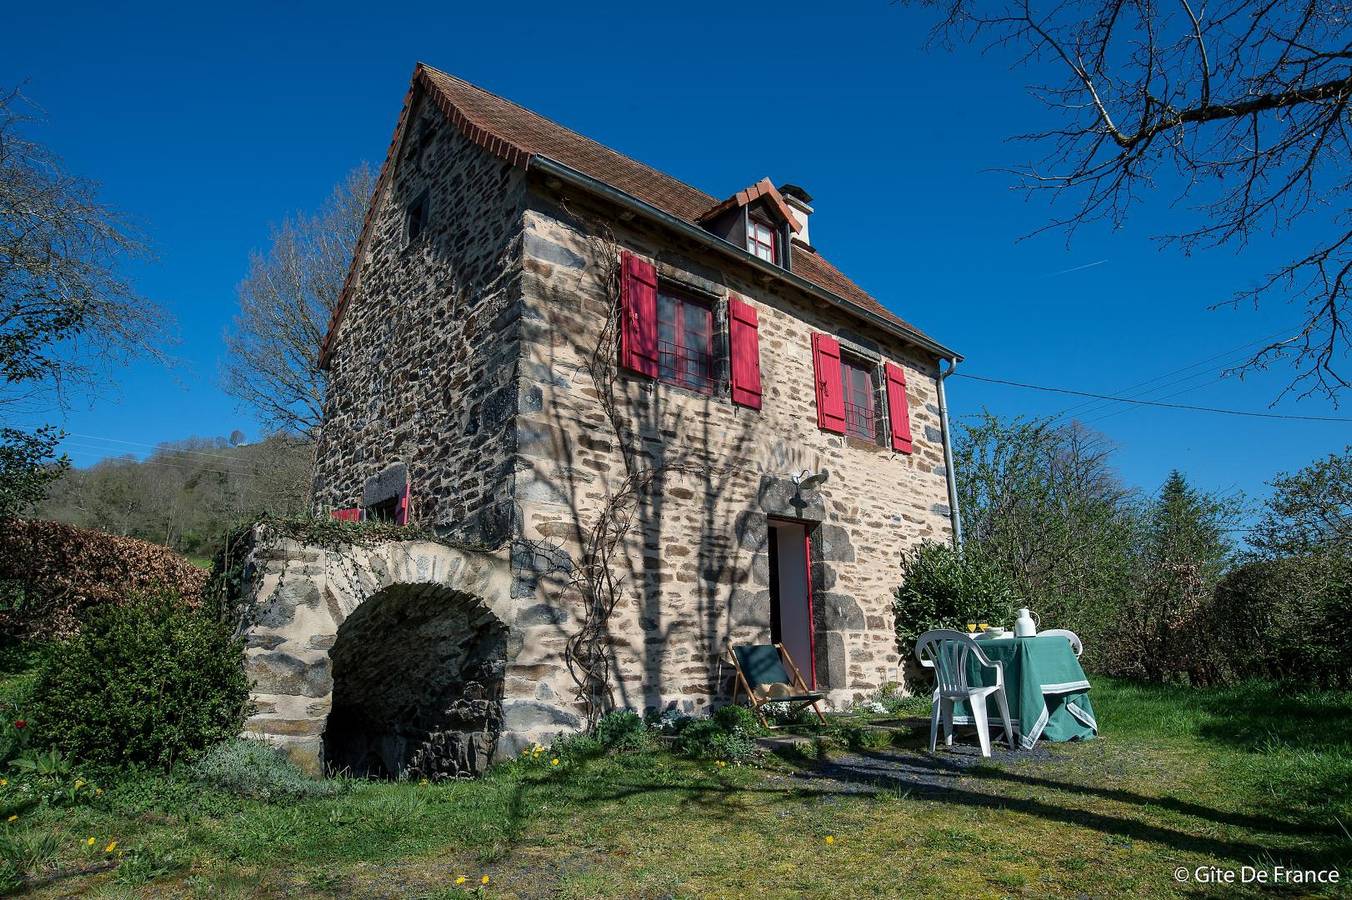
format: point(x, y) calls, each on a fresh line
point(1180, 777)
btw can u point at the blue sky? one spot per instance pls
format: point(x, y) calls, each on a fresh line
point(205, 123)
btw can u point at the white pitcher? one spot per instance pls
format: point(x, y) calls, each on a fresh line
point(1025, 625)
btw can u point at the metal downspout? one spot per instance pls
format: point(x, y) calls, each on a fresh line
point(955, 517)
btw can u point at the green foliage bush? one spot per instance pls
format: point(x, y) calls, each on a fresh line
point(145, 683)
point(622, 730)
point(573, 747)
point(733, 717)
point(250, 768)
point(722, 736)
point(1285, 619)
point(943, 587)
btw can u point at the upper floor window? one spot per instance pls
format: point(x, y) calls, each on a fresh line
point(415, 218)
point(861, 417)
point(685, 341)
point(760, 240)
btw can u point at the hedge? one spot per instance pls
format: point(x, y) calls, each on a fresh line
point(49, 572)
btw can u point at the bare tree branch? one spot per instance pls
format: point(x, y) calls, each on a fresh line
point(1246, 105)
point(285, 303)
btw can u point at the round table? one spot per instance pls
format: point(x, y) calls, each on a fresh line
point(1047, 690)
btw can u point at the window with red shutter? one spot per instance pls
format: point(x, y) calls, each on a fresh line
point(638, 315)
point(685, 341)
point(744, 345)
point(857, 382)
point(830, 395)
point(898, 408)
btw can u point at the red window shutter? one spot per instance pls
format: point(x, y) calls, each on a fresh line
point(346, 515)
point(744, 338)
point(638, 311)
point(830, 388)
point(898, 409)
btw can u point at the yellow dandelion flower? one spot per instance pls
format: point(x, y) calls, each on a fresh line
point(721, 764)
point(79, 783)
point(12, 818)
point(554, 761)
point(830, 839)
point(483, 880)
point(98, 792)
point(89, 842)
point(4, 782)
point(112, 845)
point(461, 880)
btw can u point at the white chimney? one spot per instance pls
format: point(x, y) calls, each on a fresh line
point(800, 201)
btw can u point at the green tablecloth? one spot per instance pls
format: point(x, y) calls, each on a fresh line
point(1047, 690)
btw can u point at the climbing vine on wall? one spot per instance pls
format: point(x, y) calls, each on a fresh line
point(600, 576)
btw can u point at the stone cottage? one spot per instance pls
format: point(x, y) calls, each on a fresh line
point(537, 335)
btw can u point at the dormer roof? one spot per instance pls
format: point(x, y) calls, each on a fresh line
point(763, 189)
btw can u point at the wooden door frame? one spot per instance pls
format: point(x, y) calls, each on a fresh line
point(807, 527)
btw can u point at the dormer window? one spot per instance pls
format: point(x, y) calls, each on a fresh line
point(760, 239)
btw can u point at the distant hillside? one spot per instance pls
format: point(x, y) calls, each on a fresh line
point(186, 494)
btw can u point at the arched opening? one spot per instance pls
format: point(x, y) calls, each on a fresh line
point(417, 685)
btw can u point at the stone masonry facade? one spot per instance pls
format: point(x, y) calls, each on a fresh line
point(425, 374)
point(700, 564)
point(462, 365)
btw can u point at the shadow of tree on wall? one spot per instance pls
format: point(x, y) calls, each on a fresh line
point(668, 465)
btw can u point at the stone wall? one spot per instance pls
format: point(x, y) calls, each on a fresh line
point(698, 575)
point(424, 365)
point(413, 639)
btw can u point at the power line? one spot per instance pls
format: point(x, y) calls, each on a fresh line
point(161, 448)
point(168, 465)
point(1093, 407)
point(1211, 409)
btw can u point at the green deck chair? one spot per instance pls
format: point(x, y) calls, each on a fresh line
point(766, 664)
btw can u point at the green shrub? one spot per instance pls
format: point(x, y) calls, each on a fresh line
point(711, 739)
point(860, 739)
point(578, 746)
point(946, 588)
point(251, 768)
point(1285, 619)
point(733, 717)
point(148, 682)
point(621, 731)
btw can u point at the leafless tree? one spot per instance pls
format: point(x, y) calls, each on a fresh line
point(284, 307)
point(1244, 104)
point(67, 315)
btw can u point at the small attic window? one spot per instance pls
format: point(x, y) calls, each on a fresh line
point(760, 239)
point(415, 218)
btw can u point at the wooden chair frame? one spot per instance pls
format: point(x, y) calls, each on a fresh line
point(807, 698)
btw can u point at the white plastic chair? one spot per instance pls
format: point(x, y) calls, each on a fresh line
point(1076, 645)
point(947, 653)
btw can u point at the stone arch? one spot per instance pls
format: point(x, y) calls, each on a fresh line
point(356, 613)
point(418, 672)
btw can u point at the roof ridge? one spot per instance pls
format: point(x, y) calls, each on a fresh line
point(551, 122)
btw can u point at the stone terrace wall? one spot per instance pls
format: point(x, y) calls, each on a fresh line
point(699, 562)
point(424, 367)
point(294, 633)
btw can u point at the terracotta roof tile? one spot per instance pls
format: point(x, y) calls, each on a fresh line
point(514, 134)
point(534, 133)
